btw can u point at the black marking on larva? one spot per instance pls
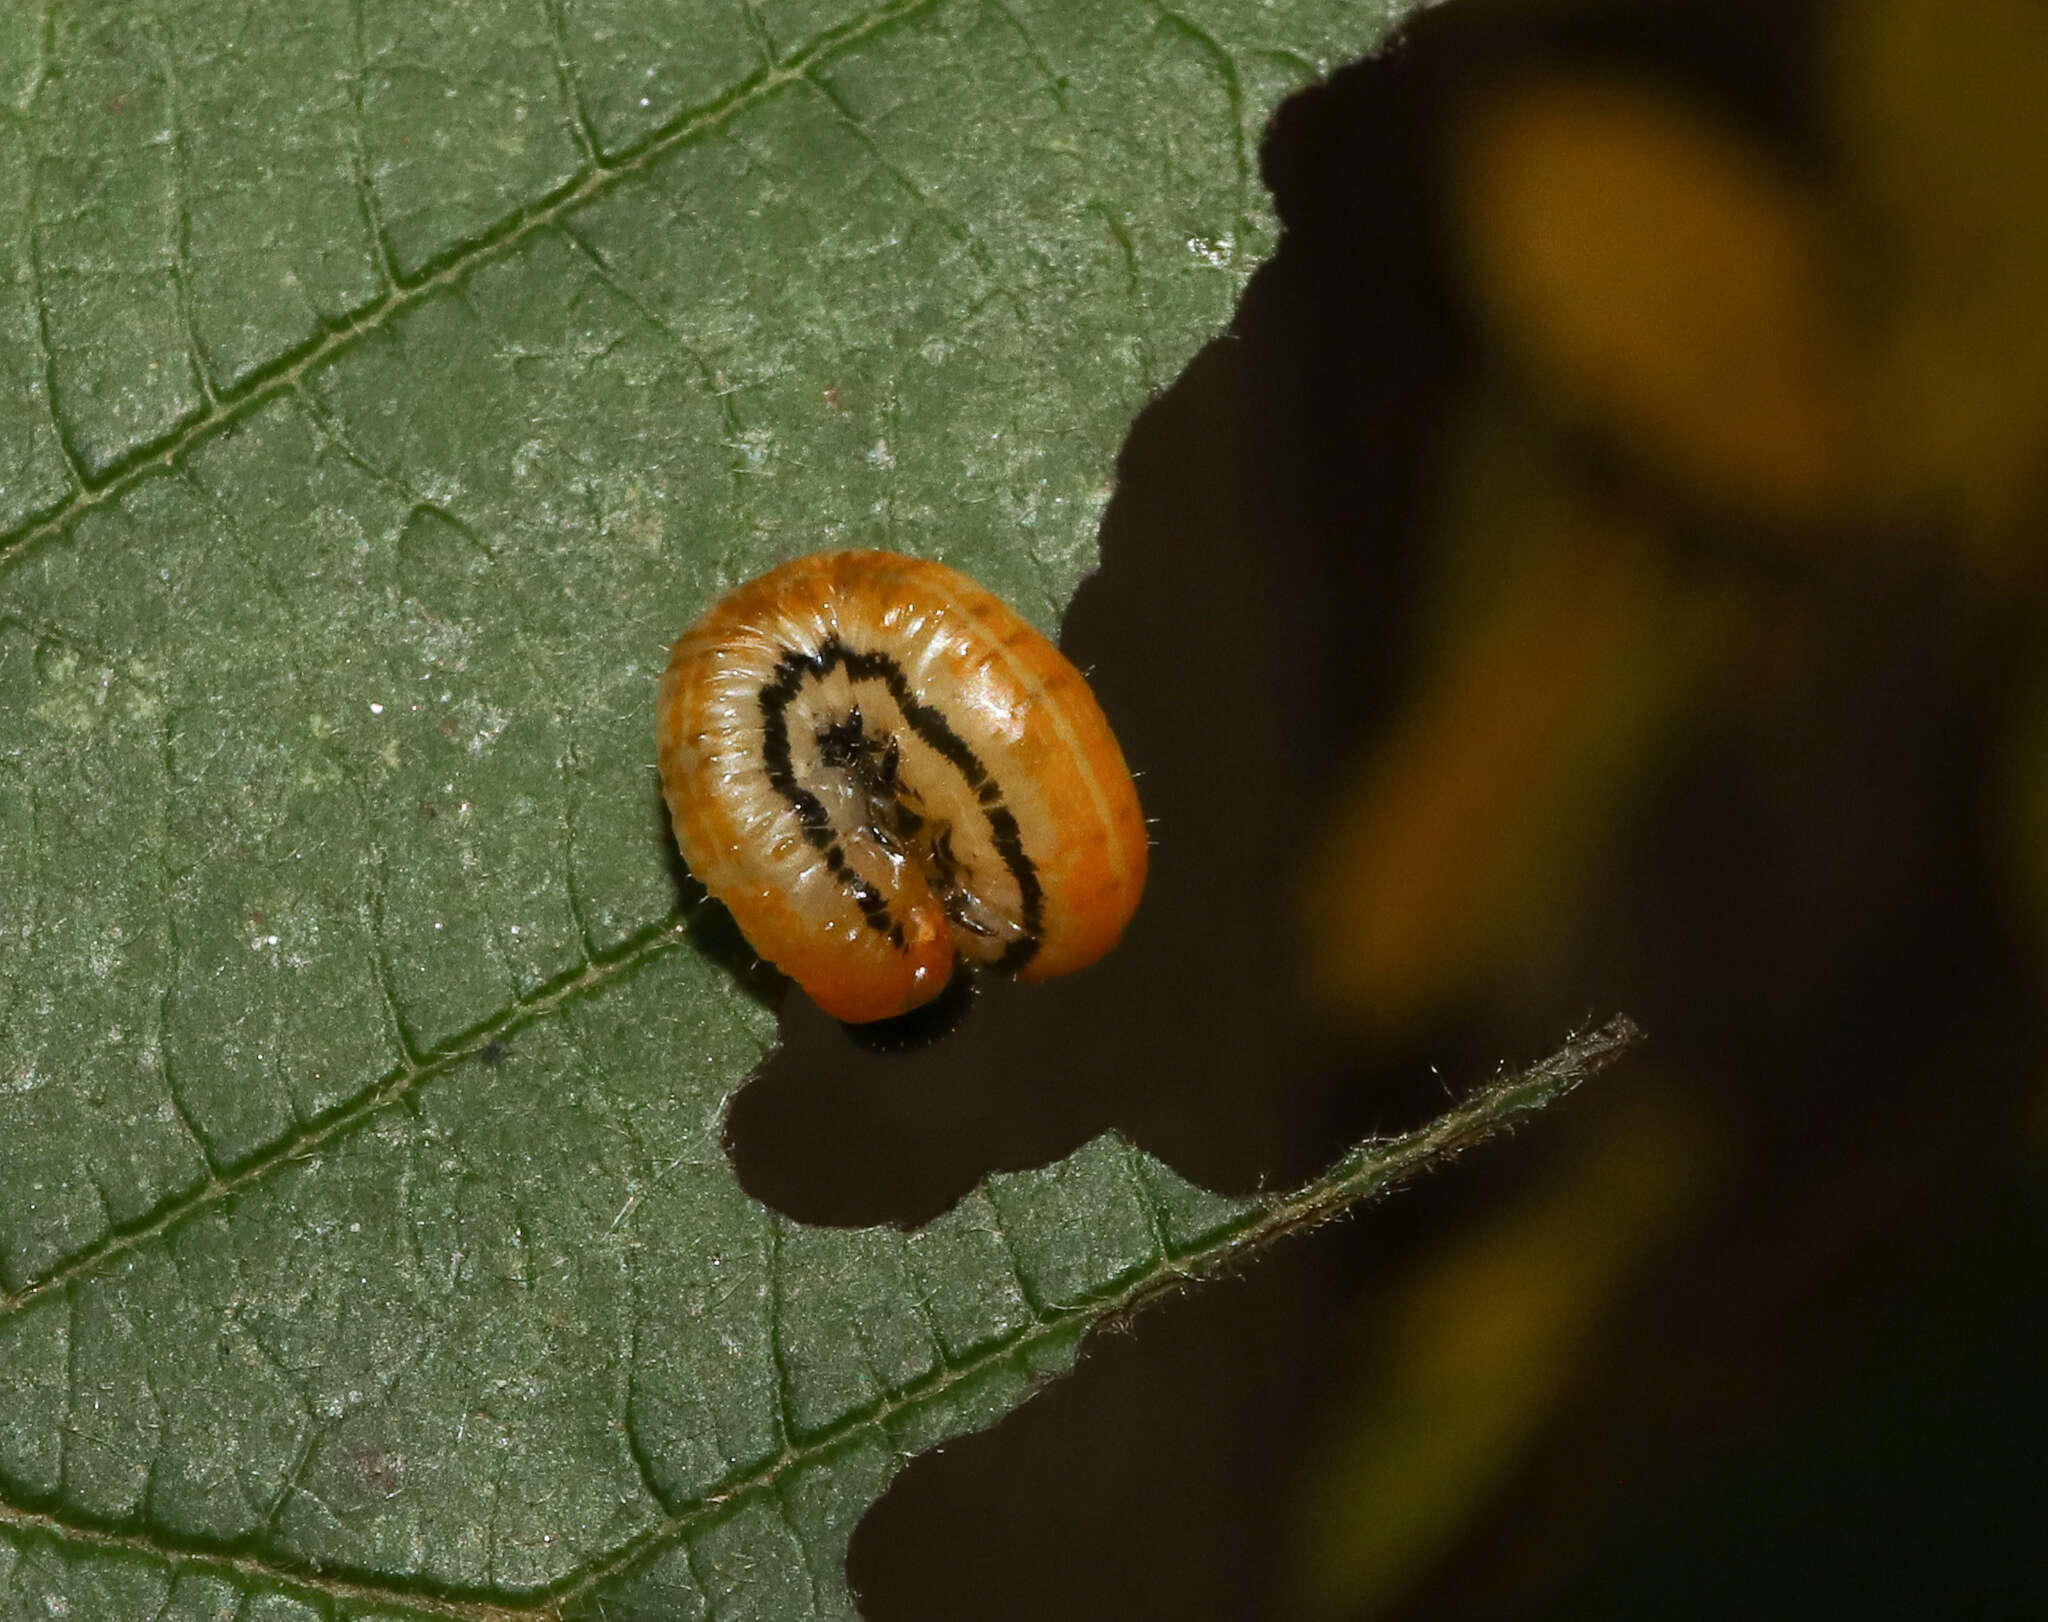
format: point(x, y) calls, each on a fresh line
point(943, 859)
point(874, 764)
point(843, 742)
point(810, 810)
point(945, 871)
point(865, 896)
point(1009, 843)
point(930, 724)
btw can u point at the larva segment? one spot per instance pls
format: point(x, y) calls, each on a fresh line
point(877, 766)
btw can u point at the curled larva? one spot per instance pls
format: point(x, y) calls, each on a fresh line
point(877, 767)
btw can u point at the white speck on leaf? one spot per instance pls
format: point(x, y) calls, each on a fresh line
point(757, 445)
point(486, 735)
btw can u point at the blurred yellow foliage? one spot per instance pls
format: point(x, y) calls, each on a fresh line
point(1943, 110)
point(1870, 364)
point(1659, 278)
point(1460, 844)
point(1461, 1364)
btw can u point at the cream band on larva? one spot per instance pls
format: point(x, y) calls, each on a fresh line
point(878, 767)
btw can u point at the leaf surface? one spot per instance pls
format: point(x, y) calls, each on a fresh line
point(381, 389)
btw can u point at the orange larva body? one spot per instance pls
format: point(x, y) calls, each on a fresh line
point(877, 766)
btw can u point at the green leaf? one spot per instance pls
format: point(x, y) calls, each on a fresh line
point(381, 388)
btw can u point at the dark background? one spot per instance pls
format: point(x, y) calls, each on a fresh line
point(1755, 1324)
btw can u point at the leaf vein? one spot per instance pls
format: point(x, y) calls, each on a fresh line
point(181, 229)
point(1368, 1171)
point(413, 1072)
point(32, 259)
point(450, 271)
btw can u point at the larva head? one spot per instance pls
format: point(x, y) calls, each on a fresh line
point(877, 765)
point(856, 976)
